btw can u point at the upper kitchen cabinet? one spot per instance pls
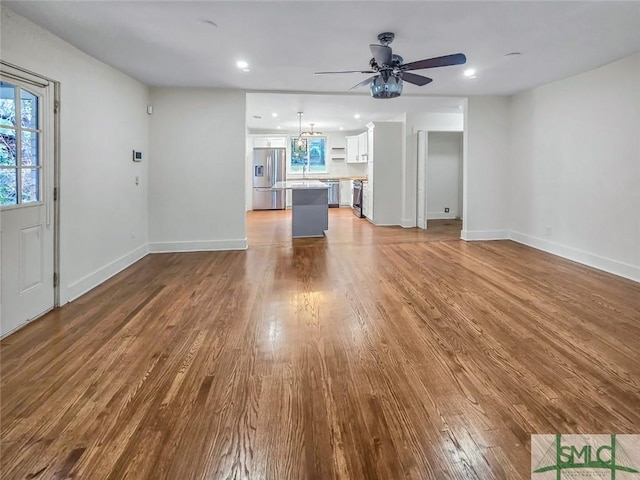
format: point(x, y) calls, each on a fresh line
point(384, 173)
point(352, 149)
point(363, 146)
point(269, 142)
point(357, 148)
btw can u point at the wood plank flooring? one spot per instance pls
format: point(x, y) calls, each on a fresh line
point(374, 353)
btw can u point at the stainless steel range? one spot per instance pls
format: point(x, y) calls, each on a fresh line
point(357, 198)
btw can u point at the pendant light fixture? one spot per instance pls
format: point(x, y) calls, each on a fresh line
point(312, 133)
point(301, 143)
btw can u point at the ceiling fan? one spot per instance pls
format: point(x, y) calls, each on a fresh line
point(391, 70)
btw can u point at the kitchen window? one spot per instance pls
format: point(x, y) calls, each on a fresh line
point(311, 159)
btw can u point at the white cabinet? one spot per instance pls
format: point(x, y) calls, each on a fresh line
point(363, 147)
point(346, 193)
point(357, 148)
point(366, 200)
point(269, 142)
point(352, 149)
point(384, 173)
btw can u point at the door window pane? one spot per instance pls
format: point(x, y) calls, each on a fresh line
point(29, 148)
point(7, 104)
point(19, 167)
point(8, 186)
point(28, 109)
point(30, 184)
point(7, 146)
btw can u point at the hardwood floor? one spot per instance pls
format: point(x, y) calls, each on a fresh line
point(373, 353)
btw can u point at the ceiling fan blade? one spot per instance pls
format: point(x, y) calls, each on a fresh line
point(416, 79)
point(455, 59)
point(346, 71)
point(363, 83)
point(381, 54)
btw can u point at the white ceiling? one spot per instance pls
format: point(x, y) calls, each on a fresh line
point(172, 43)
point(168, 43)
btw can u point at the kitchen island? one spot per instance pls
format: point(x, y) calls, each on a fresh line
point(309, 207)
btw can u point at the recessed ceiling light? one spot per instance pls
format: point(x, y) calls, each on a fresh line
point(242, 64)
point(512, 54)
point(246, 69)
point(357, 115)
point(210, 22)
point(258, 117)
point(274, 114)
point(279, 127)
point(340, 128)
point(470, 72)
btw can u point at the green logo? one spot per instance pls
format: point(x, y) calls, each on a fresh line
point(583, 456)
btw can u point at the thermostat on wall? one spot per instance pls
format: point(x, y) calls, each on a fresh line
point(137, 156)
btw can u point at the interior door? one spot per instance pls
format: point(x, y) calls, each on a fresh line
point(26, 201)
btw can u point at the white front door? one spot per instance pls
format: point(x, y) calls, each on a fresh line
point(26, 202)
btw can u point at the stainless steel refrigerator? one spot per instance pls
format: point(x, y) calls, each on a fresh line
point(268, 168)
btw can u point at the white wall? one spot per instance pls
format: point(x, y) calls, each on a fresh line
point(485, 152)
point(574, 176)
point(103, 119)
point(444, 175)
point(198, 174)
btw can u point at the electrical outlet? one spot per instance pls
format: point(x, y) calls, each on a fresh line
point(133, 234)
point(446, 209)
point(548, 230)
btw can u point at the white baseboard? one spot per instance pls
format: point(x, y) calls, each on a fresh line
point(440, 216)
point(92, 280)
point(383, 224)
point(591, 260)
point(198, 246)
point(408, 223)
point(478, 235)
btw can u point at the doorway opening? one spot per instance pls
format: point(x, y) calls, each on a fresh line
point(440, 189)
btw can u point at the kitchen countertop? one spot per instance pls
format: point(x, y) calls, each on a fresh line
point(306, 184)
point(328, 177)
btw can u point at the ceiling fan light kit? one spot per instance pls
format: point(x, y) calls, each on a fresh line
point(391, 70)
point(390, 87)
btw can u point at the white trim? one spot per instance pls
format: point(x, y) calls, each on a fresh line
point(474, 235)
point(408, 223)
point(384, 224)
point(440, 216)
point(615, 267)
point(89, 282)
point(198, 246)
